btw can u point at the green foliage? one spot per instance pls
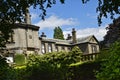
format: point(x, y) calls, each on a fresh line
point(6, 72)
point(5, 29)
point(10, 73)
point(10, 11)
point(19, 59)
point(52, 66)
point(75, 54)
point(84, 71)
point(113, 33)
point(110, 69)
point(14, 10)
point(45, 67)
point(20, 73)
point(103, 55)
point(58, 33)
point(3, 68)
point(106, 8)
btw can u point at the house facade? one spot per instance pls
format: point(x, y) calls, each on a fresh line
point(88, 45)
point(26, 40)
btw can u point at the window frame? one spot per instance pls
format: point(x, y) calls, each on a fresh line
point(94, 48)
point(49, 47)
point(43, 48)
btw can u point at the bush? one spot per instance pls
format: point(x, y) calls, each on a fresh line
point(19, 59)
point(110, 69)
point(3, 68)
point(84, 71)
point(21, 73)
point(6, 72)
point(52, 66)
point(103, 56)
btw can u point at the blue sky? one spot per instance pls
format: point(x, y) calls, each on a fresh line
point(72, 14)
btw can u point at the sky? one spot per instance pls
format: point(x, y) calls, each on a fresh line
point(72, 14)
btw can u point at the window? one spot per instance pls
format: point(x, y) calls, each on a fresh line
point(43, 48)
point(56, 48)
point(49, 47)
point(94, 49)
point(11, 38)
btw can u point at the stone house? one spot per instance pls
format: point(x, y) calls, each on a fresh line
point(88, 45)
point(25, 39)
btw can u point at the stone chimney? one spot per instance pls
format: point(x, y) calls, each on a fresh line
point(43, 35)
point(69, 37)
point(74, 35)
point(27, 16)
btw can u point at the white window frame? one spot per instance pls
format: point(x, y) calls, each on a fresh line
point(49, 47)
point(43, 48)
point(94, 49)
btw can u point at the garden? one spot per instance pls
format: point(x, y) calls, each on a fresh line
point(64, 66)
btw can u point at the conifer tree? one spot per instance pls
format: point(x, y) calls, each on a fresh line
point(58, 33)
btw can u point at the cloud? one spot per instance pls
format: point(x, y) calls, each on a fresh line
point(91, 15)
point(54, 21)
point(98, 32)
point(34, 16)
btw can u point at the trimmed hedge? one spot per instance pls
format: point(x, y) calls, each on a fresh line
point(19, 59)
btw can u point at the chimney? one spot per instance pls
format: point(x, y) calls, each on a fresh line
point(74, 35)
point(69, 37)
point(43, 35)
point(27, 16)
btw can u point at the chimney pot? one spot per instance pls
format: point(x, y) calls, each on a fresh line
point(27, 16)
point(74, 35)
point(43, 34)
point(69, 37)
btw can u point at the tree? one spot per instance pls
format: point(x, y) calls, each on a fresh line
point(58, 33)
point(106, 8)
point(6, 72)
point(113, 33)
point(15, 9)
point(110, 67)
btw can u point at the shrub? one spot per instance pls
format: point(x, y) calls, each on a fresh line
point(110, 69)
point(84, 71)
point(19, 59)
point(52, 66)
point(3, 68)
point(103, 56)
point(6, 72)
point(20, 73)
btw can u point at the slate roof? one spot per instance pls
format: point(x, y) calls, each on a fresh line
point(84, 39)
point(57, 41)
point(68, 42)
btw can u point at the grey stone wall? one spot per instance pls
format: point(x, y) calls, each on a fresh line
point(24, 39)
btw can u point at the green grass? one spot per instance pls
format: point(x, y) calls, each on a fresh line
point(76, 64)
point(19, 59)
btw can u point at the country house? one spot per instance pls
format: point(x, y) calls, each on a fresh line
point(25, 39)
